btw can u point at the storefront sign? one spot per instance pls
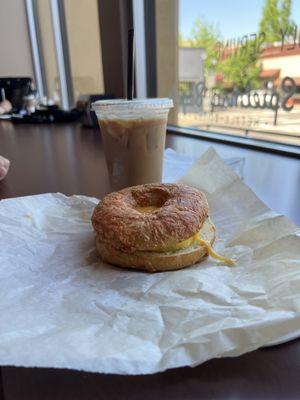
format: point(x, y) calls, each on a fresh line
point(257, 99)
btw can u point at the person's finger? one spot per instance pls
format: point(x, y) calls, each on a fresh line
point(3, 172)
point(4, 162)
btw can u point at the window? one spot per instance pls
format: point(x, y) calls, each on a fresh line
point(83, 32)
point(65, 35)
point(232, 67)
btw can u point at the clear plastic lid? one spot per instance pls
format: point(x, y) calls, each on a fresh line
point(137, 108)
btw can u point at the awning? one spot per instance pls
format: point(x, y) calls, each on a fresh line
point(278, 81)
point(269, 73)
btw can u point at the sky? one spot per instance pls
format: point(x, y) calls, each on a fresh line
point(234, 17)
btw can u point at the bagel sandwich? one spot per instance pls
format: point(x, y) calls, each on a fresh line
point(155, 227)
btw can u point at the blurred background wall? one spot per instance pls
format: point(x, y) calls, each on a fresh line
point(15, 53)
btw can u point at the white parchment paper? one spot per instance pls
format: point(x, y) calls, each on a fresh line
point(61, 307)
point(177, 165)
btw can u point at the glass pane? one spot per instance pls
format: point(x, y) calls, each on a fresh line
point(231, 66)
point(83, 32)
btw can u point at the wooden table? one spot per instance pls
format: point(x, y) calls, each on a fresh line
point(69, 159)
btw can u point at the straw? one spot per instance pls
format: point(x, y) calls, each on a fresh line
point(130, 64)
point(3, 94)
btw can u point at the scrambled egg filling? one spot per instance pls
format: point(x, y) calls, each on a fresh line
point(195, 239)
point(181, 245)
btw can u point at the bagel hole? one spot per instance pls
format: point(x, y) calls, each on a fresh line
point(149, 200)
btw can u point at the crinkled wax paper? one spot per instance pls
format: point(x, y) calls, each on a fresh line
point(62, 307)
point(177, 165)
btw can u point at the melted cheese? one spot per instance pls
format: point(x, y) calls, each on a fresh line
point(188, 242)
point(181, 245)
point(192, 241)
point(213, 254)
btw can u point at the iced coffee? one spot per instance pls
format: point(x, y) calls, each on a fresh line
point(134, 134)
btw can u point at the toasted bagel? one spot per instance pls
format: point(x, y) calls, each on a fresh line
point(174, 213)
point(152, 261)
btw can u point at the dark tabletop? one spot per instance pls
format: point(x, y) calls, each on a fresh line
point(69, 159)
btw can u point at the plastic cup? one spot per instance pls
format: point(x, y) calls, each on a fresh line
point(134, 135)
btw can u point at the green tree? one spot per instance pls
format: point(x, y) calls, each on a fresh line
point(276, 17)
point(206, 36)
point(286, 24)
point(241, 67)
point(269, 23)
point(237, 69)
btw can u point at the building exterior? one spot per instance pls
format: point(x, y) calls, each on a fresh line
point(279, 62)
point(191, 79)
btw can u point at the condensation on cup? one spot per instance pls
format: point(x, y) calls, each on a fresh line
point(134, 135)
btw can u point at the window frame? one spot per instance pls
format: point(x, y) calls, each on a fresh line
point(212, 135)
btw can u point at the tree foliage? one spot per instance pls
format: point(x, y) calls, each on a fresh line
point(204, 35)
point(269, 23)
point(276, 16)
point(242, 66)
point(236, 69)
